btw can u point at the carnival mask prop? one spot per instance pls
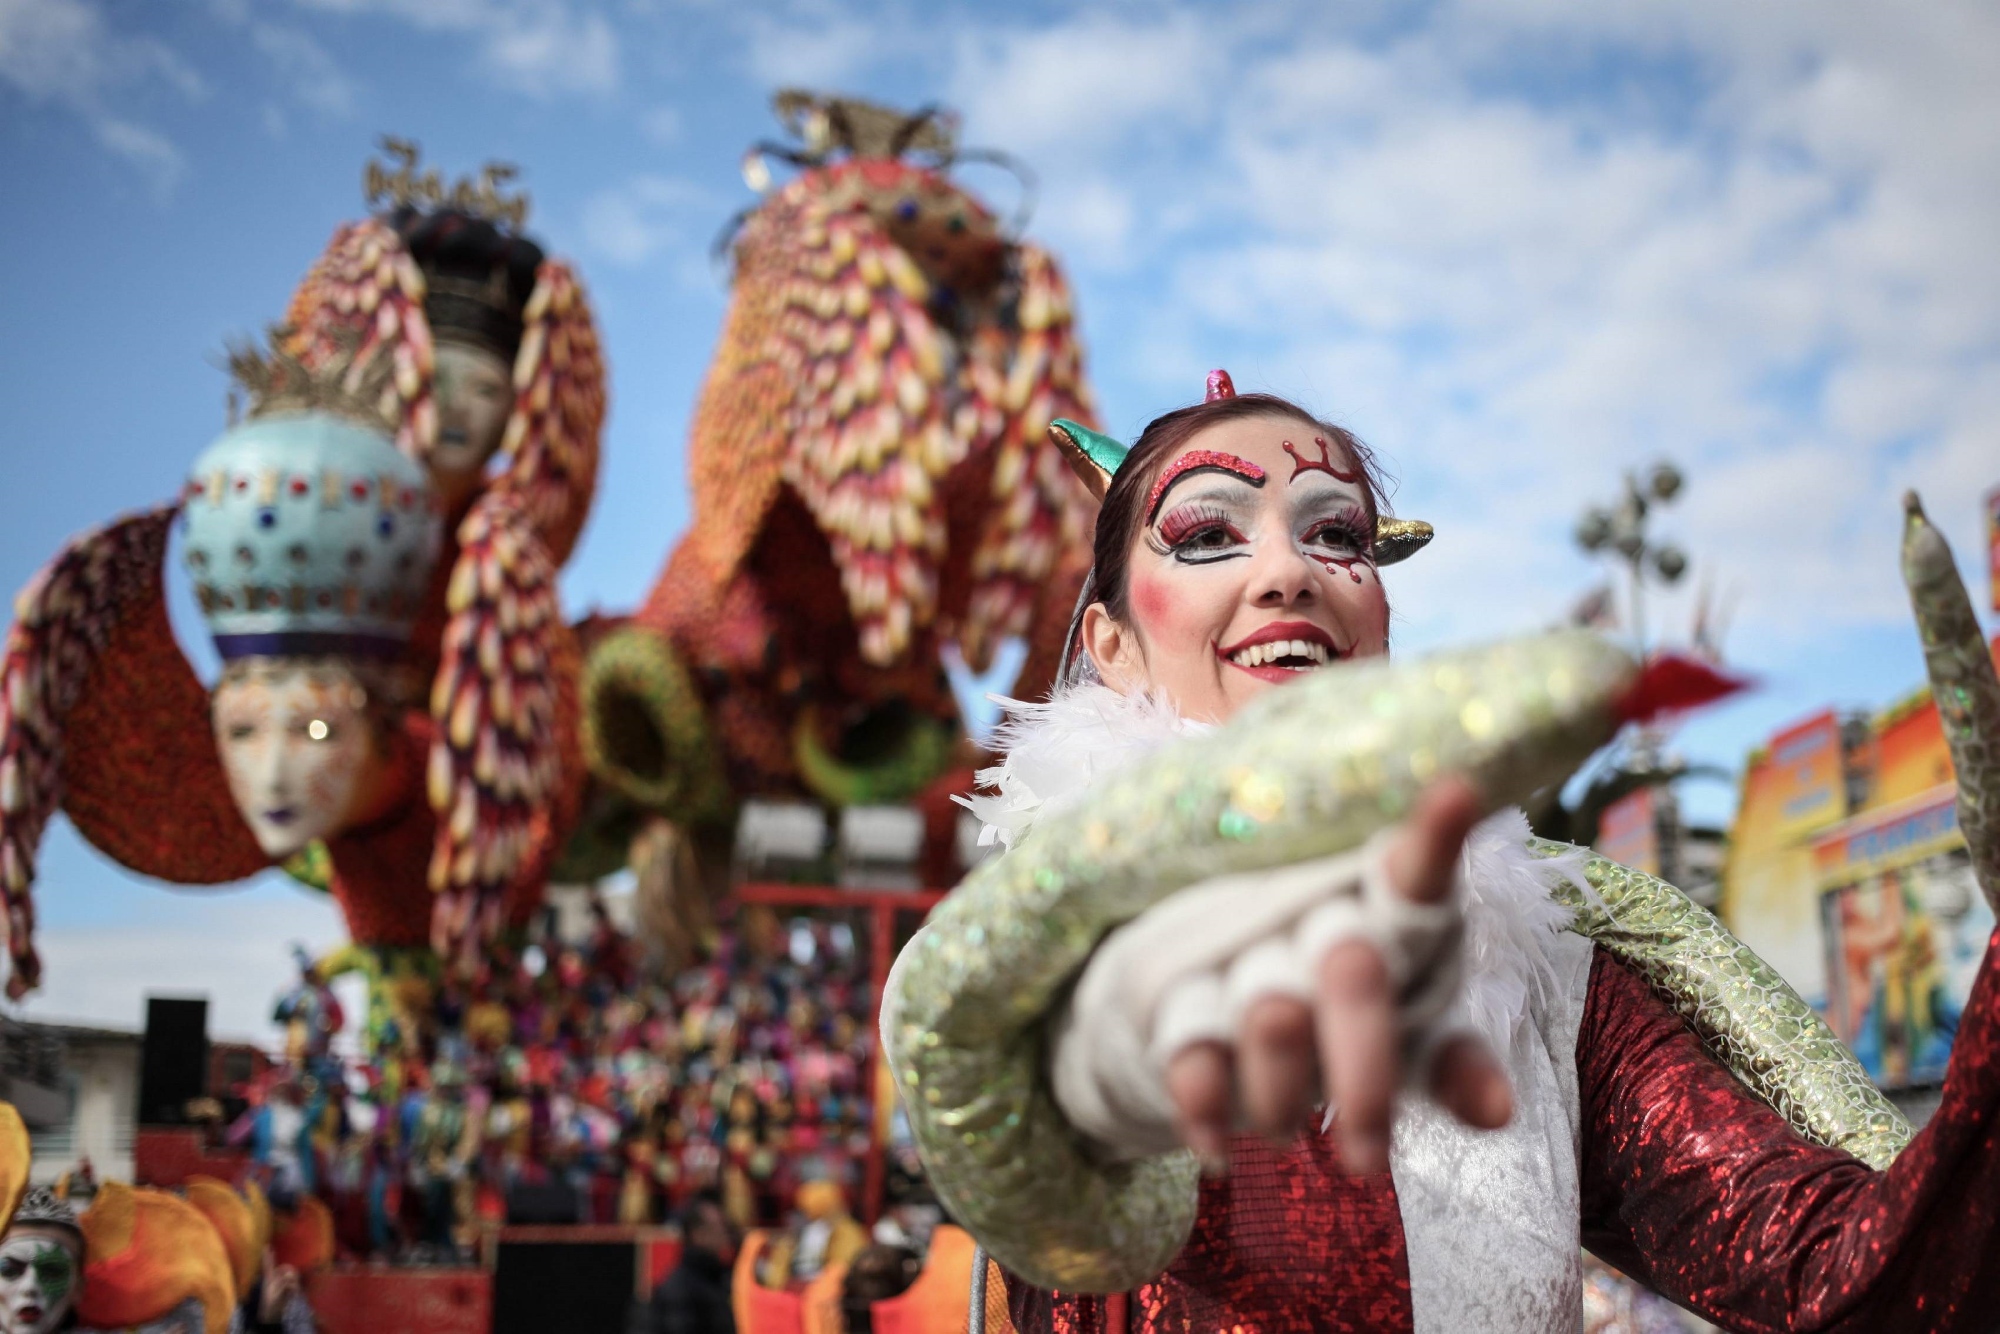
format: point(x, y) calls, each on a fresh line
point(479, 276)
point(41, 1266)
point(310, 540)
point(297, 744)
point(474, 396)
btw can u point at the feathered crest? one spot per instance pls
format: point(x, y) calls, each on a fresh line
point(401, 185)
point(269, 379)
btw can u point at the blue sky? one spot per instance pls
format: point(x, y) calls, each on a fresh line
point(1519, 245)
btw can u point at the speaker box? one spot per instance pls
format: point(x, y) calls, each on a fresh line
point(581, 1287)
point(173, 1064)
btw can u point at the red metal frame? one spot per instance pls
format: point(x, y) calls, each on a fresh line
point(882, 906)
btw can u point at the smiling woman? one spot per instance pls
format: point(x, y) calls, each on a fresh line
point(1228, 531)
point(1415, 1058)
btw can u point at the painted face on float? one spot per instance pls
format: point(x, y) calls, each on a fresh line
point(39, 1269)
point(475, 395)
point(297, 746)
point(1253, 566)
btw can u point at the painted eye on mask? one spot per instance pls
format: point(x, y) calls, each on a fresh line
point(12, 1267)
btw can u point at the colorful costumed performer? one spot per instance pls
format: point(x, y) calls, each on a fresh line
point(1223, 904)
point(41, 1266)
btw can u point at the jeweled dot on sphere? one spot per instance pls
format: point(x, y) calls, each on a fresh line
point(316, 729)
point(386, 526)
point(267, 518)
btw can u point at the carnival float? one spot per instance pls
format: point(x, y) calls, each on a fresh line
point(406, 721)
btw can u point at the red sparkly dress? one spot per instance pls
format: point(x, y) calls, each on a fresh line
point(1689, 1181)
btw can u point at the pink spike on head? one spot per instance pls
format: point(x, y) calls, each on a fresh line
point(1220, 386)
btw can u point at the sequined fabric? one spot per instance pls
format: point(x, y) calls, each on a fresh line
point(1285, 1242)
point(1751, 1019)
point(1693, 1184)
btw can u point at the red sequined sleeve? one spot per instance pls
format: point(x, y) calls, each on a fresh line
point(1695, 1185)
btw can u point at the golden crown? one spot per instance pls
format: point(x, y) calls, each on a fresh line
point(399, 183)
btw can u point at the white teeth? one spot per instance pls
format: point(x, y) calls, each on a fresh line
point(1256, 655)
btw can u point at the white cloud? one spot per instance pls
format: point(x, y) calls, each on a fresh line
point(662, 125)
point(1523, 246)
point(305, 68)
point(820, 53)
point(544, 48)
point(62, 53)
point(633, 222)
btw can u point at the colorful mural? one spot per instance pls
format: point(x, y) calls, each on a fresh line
point(1904, 929)
point(1848, 872)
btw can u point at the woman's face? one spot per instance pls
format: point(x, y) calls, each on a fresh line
point(298, 748)
point(1251, 568)
point(475, 394)
point(39, 1268)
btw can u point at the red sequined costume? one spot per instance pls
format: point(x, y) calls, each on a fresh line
point(1690, 1182)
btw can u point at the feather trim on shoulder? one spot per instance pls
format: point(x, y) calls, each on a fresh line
point(1054, 749)
point(1511, 918)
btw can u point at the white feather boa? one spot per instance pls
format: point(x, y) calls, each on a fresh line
point(1054, 751)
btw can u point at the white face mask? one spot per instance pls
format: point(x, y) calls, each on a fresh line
point(475, 396)
point(39, 1272)
point(297, 747)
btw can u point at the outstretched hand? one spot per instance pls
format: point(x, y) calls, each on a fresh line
point(1344, 1048)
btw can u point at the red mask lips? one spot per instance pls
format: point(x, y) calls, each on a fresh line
point(1282, 651)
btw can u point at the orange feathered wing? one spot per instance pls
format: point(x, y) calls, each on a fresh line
point(900, 436)
point(362, 298)
point(833, 378)
point(102, 715)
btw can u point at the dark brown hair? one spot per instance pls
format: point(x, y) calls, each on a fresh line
point(1122, 513)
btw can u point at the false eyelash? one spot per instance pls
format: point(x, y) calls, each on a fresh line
point(1190, 521)
point(1351, 525)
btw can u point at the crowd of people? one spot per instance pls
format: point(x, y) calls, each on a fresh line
point(578, 1088)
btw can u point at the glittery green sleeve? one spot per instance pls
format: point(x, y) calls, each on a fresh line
point(1308, 771)
point(1747, 1015)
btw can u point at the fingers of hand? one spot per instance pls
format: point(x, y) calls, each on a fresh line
point(1421, 859)
point(1470, 1083)
point(1358, 1049)
point(1278, 1069)
point(1199, 1080)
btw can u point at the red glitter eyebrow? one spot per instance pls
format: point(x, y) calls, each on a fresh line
point(1200, 460)
point(1325, 463)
